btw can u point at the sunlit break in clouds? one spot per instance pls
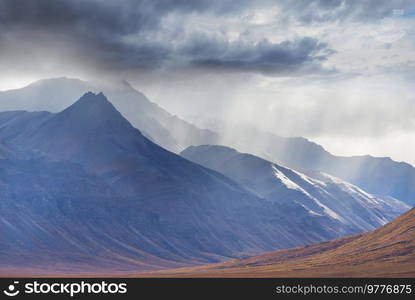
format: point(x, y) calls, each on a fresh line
point(337, 72)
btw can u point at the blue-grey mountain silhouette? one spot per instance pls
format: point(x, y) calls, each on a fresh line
point(88, 189)
point(320, 194)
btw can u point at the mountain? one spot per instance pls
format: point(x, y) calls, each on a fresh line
point(56, 94)
point(90, 193)
point(5, 152)
point(319, 193)
point(376, 175)
point(14, 123)
point(386, 252)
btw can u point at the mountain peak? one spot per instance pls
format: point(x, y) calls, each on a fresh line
point(77, 132)
point(92, 114)
point(93, 107)
point(92, 97)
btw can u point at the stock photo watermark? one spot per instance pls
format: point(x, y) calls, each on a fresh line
point(61, 288)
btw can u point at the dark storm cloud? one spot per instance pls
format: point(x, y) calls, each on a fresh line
point(118, 36)
point(94, 29)
point(263, 57)
point(112, 16)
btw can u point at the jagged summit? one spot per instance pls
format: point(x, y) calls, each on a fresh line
point(93, 99)
point(92, 110)
point(90, 126)
point(128, 196)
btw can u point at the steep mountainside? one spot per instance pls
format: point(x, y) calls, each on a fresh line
point(386, 252)
point(376, 175)
point(91, 191)
point(319, 193)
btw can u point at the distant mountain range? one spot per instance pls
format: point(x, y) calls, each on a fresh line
point(386, 252)
point(154, 122)
point(84, 190)
point(320, 194)
point(376, 175)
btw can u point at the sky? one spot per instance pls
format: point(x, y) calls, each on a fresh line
point(338, 72)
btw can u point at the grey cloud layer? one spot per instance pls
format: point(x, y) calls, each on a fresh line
point(120, 35)
point(264, 57)
point(129, 35)
point(178, 52)
point(307, 11)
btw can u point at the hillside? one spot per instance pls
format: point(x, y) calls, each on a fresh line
point(350, 209)
point(376, 175)
point(386, 252)
point(90, 191)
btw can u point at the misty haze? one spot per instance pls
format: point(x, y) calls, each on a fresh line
point(207, 138)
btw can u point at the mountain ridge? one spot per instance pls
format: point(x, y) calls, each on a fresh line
point(396, 179)
point(386, 252)
point(156, 123)
point(95, 186)
point(319, 193)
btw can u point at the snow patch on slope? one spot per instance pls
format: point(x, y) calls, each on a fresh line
point(292, 185)
point(309, 180)
point(328, 211)
point(351, 189)
point(285, 180)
